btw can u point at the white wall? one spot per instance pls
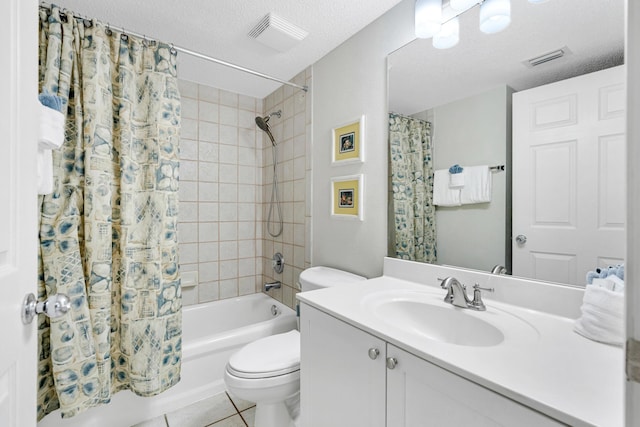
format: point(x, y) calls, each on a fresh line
point(469, 132)
point(348, 82)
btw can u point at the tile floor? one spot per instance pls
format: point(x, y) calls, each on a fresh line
point(218, 411)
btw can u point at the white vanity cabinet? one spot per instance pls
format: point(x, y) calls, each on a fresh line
point(342, 379)
point(344, 382)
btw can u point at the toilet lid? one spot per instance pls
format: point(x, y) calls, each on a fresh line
point(267, 357)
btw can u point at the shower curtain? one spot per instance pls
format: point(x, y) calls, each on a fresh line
point(412, 186)
point(108, 231)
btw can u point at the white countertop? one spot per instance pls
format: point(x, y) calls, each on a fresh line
point(555, 371)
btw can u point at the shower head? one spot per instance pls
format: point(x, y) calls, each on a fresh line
point(263, 123)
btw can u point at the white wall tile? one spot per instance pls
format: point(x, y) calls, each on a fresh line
point(228, 174)
point(188, 192)
point(208, 172)
point(187, 232)
point(228, 288)
point(207, 211)
point(208, 151)
point(188, 149)
point(208, 192)
point(189, 129)
point(208, 132)
point(188, 170)
point(188, 212)
point(208, 271)
point(228, 154)
point(228, 115)
point(187, 89)
point(228, 251)
point(189, 108)
point(208, 232)
point(228, 231)
point(209, 94)
point(228, 212)
point(207, 252)
point(208, 112)
point(228, 269)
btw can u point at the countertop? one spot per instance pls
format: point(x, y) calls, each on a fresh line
point(548, 368)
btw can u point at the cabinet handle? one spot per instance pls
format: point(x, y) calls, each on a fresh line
point(373, 353)
point(392, 362)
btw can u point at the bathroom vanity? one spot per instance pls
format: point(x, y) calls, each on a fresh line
point(391, 352)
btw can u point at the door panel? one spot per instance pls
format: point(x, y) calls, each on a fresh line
point(569, 177)
point(18, 201)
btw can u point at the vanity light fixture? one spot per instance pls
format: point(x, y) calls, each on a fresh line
point(441, 23)
point(449, 34)
point(428, 17)
point(495, 15)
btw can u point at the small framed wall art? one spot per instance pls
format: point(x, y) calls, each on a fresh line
point(346, 197)
point(348, 142)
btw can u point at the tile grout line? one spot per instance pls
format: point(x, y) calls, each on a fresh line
point(237, 410)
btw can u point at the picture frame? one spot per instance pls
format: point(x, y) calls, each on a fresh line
point(348, 142)
point(347, 197)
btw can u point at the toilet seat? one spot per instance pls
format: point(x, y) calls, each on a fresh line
point(267, 357)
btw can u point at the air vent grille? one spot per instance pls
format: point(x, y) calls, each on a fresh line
point(547, 57)
point(277, 33)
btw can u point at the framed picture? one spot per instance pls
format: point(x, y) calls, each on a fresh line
point(346, 197)
point(348, 142)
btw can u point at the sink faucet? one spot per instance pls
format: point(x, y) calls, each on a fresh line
point(457, 294)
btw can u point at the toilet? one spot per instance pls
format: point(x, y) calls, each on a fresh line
point(267, 371)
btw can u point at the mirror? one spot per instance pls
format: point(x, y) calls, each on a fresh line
point(480, 74)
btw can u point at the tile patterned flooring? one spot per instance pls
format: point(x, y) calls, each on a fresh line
point(218, 411)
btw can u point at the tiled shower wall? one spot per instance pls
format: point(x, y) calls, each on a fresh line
point(293, 134)
point(220, 193)
point(226, 169)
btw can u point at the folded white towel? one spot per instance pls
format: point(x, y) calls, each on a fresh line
point(602, 315)
point(456, 179)
point(44, 171)
point(51, 128)
point(477, 185)
point(51, 138)
point(443, 195)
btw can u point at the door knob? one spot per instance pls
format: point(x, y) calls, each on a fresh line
point(521, 239)
point(54, 306)
point(373, 353)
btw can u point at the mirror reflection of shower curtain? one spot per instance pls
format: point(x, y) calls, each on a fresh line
point(412, 186)
point(108, 232)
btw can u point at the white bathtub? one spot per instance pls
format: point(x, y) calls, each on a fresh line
point(211, 333)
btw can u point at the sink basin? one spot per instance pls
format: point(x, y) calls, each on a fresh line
point(446, 324)
point(426, 315)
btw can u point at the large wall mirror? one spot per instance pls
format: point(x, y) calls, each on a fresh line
point(465, 93)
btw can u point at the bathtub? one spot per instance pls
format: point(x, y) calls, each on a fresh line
point(211, 333)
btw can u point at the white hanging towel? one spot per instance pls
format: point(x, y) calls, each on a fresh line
point(477, 185)
point(51, 138)
point(443, 195)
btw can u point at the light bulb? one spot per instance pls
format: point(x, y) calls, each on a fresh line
point(428, 18)
point(448, 36)
point(495, 15)
point(462, 5)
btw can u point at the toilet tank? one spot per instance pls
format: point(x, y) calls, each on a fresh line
point(323, 277)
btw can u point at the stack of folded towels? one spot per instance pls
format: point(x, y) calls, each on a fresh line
point(602, 308)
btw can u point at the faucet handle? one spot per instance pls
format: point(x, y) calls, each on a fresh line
point(477, 287)
point(477, 303)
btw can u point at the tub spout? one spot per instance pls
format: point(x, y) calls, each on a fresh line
point(272, 285)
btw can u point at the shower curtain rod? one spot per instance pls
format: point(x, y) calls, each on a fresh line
point(196, 54)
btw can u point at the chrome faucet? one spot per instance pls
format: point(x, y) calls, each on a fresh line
point(457, 294)
point(272, 285)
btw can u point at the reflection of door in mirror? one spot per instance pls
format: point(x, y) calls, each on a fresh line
point(569, 177)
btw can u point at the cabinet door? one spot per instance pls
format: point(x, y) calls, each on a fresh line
point(420, 394)
point(340, 385)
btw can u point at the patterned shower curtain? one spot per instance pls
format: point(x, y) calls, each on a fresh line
point(412, 186)
point(108, 231)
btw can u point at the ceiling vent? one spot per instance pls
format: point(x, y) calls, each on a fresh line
point(277, 33)
point(547, 57)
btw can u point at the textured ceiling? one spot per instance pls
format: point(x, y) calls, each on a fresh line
point(423, 77)
point(219, 28)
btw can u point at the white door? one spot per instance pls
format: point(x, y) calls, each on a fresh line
point(569, 177)
point(18, 209)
